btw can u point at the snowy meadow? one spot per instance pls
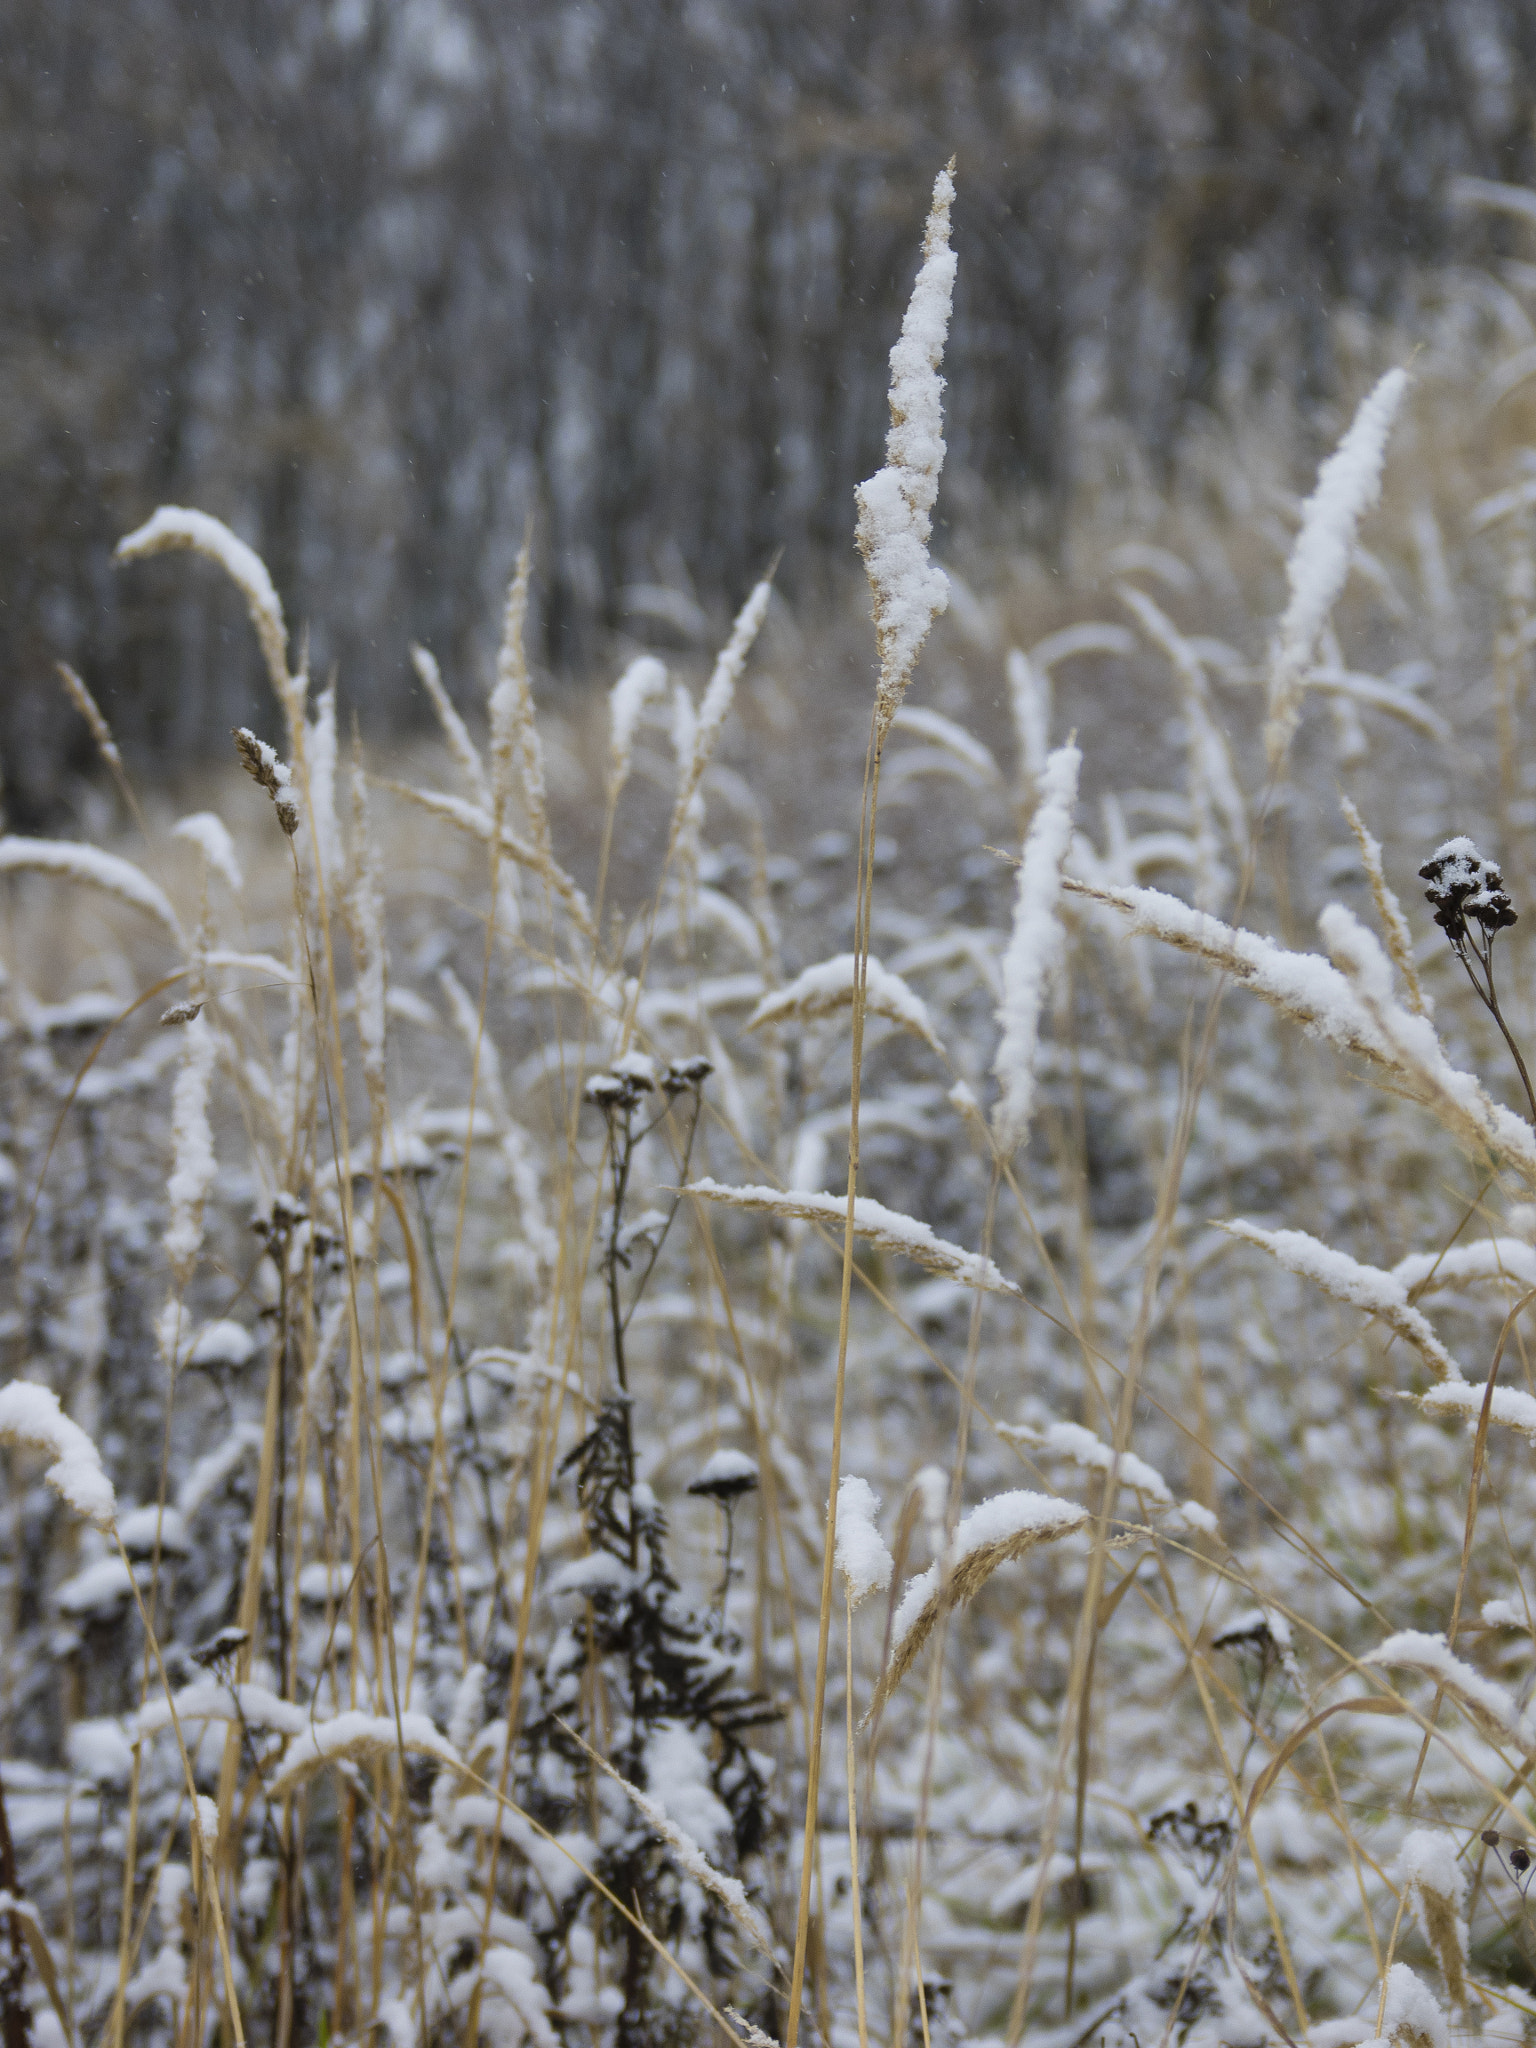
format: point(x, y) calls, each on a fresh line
point(786, 1361)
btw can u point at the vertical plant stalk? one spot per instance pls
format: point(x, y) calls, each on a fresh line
point(866, 883)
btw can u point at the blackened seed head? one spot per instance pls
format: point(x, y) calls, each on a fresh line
point(1490, 1838)
point(1519, 1859)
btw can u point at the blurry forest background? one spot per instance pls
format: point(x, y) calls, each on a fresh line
point(377, 283)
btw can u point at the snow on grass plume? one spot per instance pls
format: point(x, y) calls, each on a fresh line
point(356, 1737)
point(73, 862)
point(1429, 1870)
point(706, 725)
point(1353, 1010)
point(1034, 948)
point(1410, 2016)
point(896, 504)
point(860, 1553)
point(1413, 1650)
point(30, 1414)
point(210, 835)
point(176, 526)
point(1348, 485)
point(193, 1167)
point(1001, 1528)
point(455, 732)
point(644, 682)
point(1509, 1407)
point(883, 1227)
point(1368, 1288)
point(827, 987)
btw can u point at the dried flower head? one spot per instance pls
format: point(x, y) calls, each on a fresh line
point(1463, 885)
point(263, 765)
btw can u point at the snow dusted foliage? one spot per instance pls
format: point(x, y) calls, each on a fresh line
point(30, 1414)
point(896, 504)
point(1348, 485)
point(861, 1557)
point(464, 1341)
point(1034, 949)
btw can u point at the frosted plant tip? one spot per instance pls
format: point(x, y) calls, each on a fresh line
point(262, 764)
point(181, 1013)
point(1463, 885)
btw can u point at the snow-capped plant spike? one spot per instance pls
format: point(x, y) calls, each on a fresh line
point(455, 732)
point(176, 526)
point(1082, 1448)
point(78, 695)
point(643, 683)
point(1029, 700)
point(1353, 1011)
point(953, 738)
point(193, 1167)
point(1509, 1407)
point(1371, 1289)
point(30, 1414)
point(1410, 2016)
point(719, 694)
point(516, 750)
point(1510, 1261)
point(1414, 1650)
point(1348, 485)
point(1034, 948)
point(1458, 1099)
point(860, 1553)
point(1394, 924)
point(896, 504)
point(883, 1227)
point(265, 768)
point(357, 1737)
point(826, 988)
point(1430, 1871)
point(210, 835)
point(320, 781)
point(1004, 1527)
point(74, 862)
